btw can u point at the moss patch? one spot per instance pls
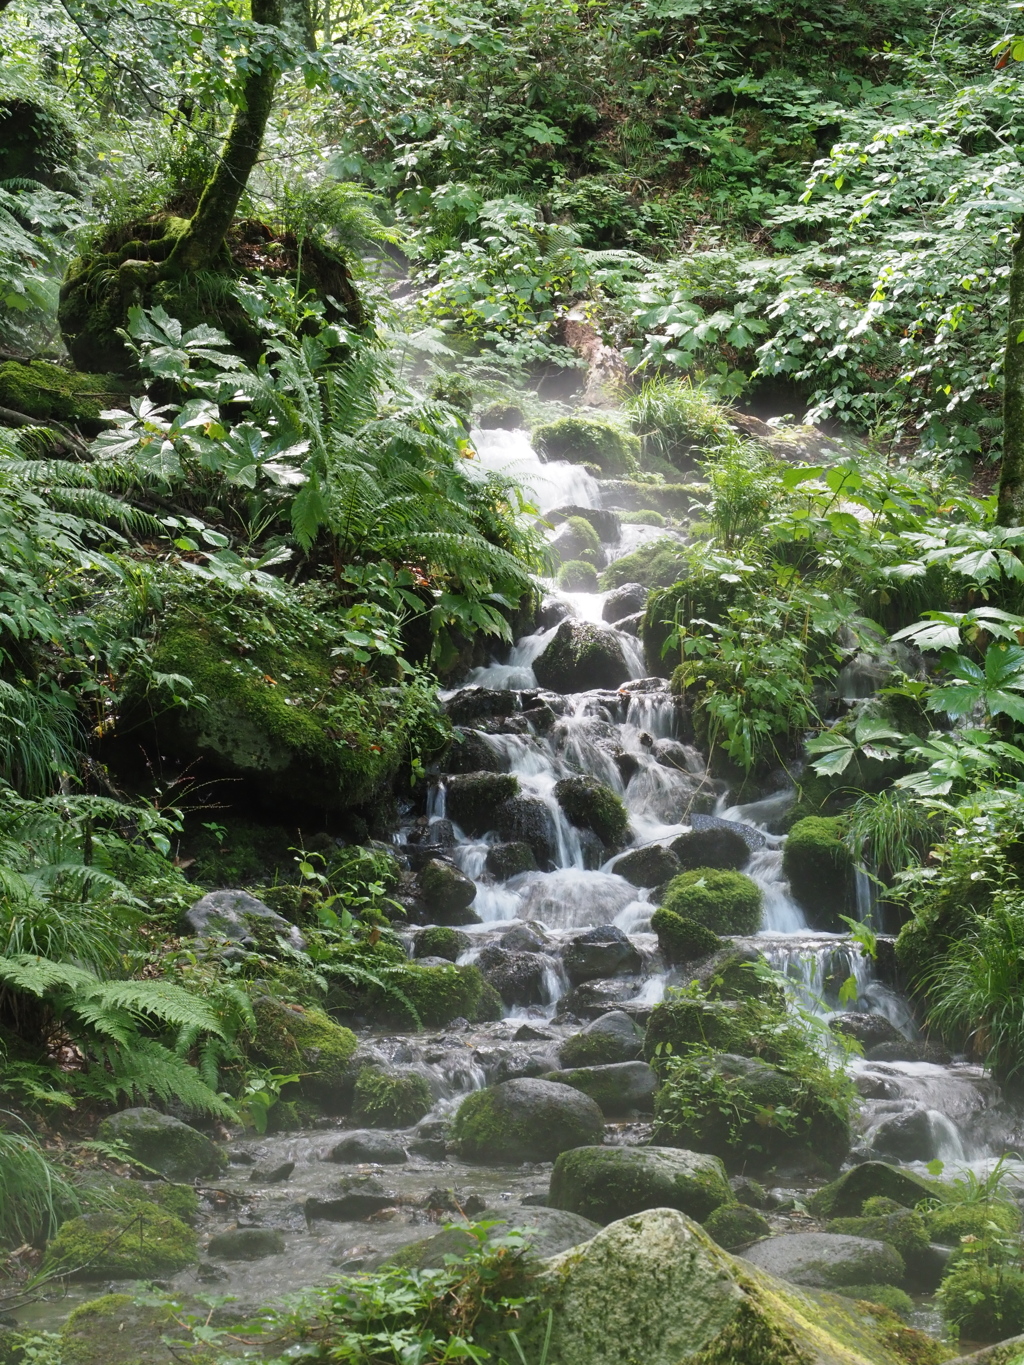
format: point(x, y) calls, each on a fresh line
point(390, 1099)
point(589, 804)
point(115, 1330)
point(138, 1244)
point(724, 902)
point(44, 391)
point(683, 940)
point(819, 868)
point(576, 575)
point(588, 440)
point(293, 1039)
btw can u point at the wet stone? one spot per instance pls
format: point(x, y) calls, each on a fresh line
point(868, 1029)
point(601, 952)
point(356, 1196)
point(647, 867)
point(272, 1175)
point(246, 1244)
point(523, 939)
point(508, 860)
point(517, 977)
point(628, 600)
point(472, 703)
point(369, 1145)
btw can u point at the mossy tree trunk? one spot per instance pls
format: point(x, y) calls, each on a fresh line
point(197, 249)
point(1011, 477)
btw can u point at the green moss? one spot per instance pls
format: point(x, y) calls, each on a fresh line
point(438, 994)
point(903, 1229)
point(576, 575)
point(441, 941)
point(115, 1330)
point(950, 1222)
point(818, 865)
point(887, 1295)
point(586, 537)
point(598, 1049)
point(736, 1225)
point(608, 1183)
point(747, 1028)
point(589, 804)
point(741, 975)
point(683, 940)
point(848, 1196)
point(41, 390)
point(138, 1244)
point(589, 440)
point(390, 1099)
point(307, 1042)
point(724, 902)
point(181, 1201)
point(983, 1302)
point(685, 596)
point(645, 517)
point(655, 565)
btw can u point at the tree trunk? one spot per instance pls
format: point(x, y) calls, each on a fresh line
point(1010, 510)
point(198, 247)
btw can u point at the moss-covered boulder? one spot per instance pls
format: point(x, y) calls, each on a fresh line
point(447, 893)
point(605, 950)
point(655, 564)
point(437, 996)
point(612, 1037)
point(105, 1190)
point(441, 941)
point(651, 866)
point(525, 1120)
point(246, 1244)
point(164, 1143)
point(269, 707)
point(305, 1042)
point(826, 1260)
point(887, 1296)
point(589, 804)
point(734, 1226)
point(589, 440)
point(752, 1027)
point(49, 392)
point(755, 1115)
point(724, 902)
point(577, 575)
point(576, 540)
point(140, 1244)
point(473, 799)
point(117, 1330)
point(606, 1183)
point(681, 939)
point(819, 867)
point(390, 1098)
point(508, 860)
point(581, 656)
point(654, 1288)
point(713, 847)
point(845, 1197)
point(619, 1087)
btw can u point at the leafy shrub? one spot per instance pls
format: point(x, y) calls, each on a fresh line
point(983, 1302)
point(390, 1099)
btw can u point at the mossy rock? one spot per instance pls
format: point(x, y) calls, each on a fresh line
point(576, 575)
point(606, 1183)
point(581, 656)
point(390, 1098)
point(724, 902)
point(654, 565)
point(749, 1027)
point(438, 995)
point(274, 713)
point(163, 1143)
point(713, 847)
point(736, 1225)
point(888, 1296)
point(115, 1330)
point(681, 939)
point(130, 268)
point(306, 1042)
point(949, 1223)
point(441, 941)
point(819, 868)
point(525, 1120)
point(903, 1229)
point(473, 799)
point(180, 1200)
point(576, 540)
point(47, 392)
point(846, 1197)
point(447, 893)
point(138, 1244)
point(612, 1037)
point(589, 440)
point(589, 804)
point(618, 1087)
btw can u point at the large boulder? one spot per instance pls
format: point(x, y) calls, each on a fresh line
point(517, 977)
point(471, 753)
point(576, 540)
point(580, 657)
point(473, 799)
point(606, 524)
point(525, 1120)
point(868, 1029)
point(819, 867)
point(651, 866)
point(527, 820)
point(625, 601)
point(545, 1232)
point(915, 1135)
point(827, 1260)
point(600, 952)
point(115, 1329)
point(446, 893)
point(589, 440)
point(589, 804)
point(508, 860)
point(734, 1226)
point(654, 1288)
point(440, 940)
point(365, 1145)
point(480, 703)
point(619, 1087)
point(610, 1038)
point(237, 916)
point(844, 1198)
point(715, 847)
point(606, 1183)
point(164, 1143)
point(724, 902)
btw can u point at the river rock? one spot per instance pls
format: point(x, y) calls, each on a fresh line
point(471, 753)
point(474, 799)
point(476, 703)
point(611, 1037)
point(368, 1145)
point(909, 1050)
point(605, 523)
point(601, 952)
point(754, 838)
point(440, 943)
point(581, 656)
point(844, 1198)
point(527, 820)
point(631, 625)
point(517, 977)
point(868, 1029)
point(354, 1196)
point(523, 938)
point(605, 1183)
point(246, 1244)
point(591, 998)
point(142, 1242)
point(912, 1136)
point(625, 601)
point(715, 847)
point(654, 1288)
point(546, 1232)
point(650, 866)
point(429, 839)
point(575, 543)
point(618, 1087)
point(591, 805)
point(112, 1330)
point(508, 860)
point(734, 1226)
point(164, 1143)
point(827, 1260)
point(237, 916)
point(447, 893)
point(272, 1175)
point(525, 1120)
